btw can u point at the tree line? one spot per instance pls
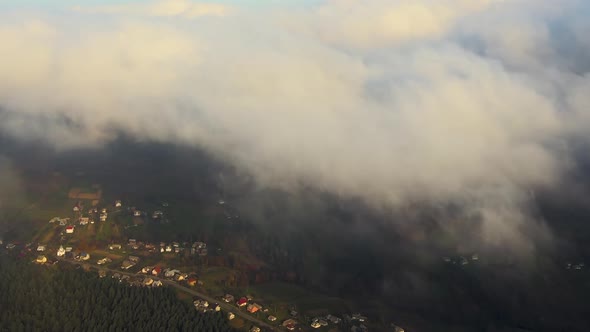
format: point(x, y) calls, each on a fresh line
point(62, 298)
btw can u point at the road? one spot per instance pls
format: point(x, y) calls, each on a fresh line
point(225, 306)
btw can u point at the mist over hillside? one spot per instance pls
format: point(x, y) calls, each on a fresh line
point(368, 148)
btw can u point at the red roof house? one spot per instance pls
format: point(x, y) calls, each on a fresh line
point(242, 302)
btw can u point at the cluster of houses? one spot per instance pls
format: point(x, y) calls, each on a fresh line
point(204, 306)
point(318, 322)
point(461, 260)
point(172, 274)
point(571, 266)
point(69, 227)
point(245, 302)
point(196, 248)
point(134, 281)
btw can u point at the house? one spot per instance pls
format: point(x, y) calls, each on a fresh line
point(53, 220)
point(132, 242)
point(41, 259)
point(69, 249)
point(228, 298)
point(157, 214)
point(255, 329)
point(315, 324)
point(156, 271)
point(231, 316)
point(157, 283)
point(70, 229)
point(118, 203)
point(201, 304)
point(146, 270)
point(126, 265)
point(104, 210)
point(137, 213)
point(84, 221)
point(359, 317)
point(104, 261)
point(61, 251)
point(134, 259)
point(216, 307)
point(41, 248)
point(242, 302)
point(333, 319)
point(271, 318)
point(397, 328)
point(179, 277)
point(102, 273)
point(192, 282)
point(168, 248)
point(63, 221)
point(103, 217)
point(84, 256)
point(169, 273)
point(254, 307)
point(76, 208)
point(115, 246)
point(148, 281)
point(290, 324)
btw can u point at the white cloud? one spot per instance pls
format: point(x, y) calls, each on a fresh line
point(392, 102)
point(163, 8)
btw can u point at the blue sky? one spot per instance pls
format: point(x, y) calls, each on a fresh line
point(67, 3)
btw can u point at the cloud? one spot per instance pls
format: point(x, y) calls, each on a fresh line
point(393, 102)
point(162, 8)
point(385, 22)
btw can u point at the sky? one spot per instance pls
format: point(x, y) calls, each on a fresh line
point(56, 4)
point(470, 102)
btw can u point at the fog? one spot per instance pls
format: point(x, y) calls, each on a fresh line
point(394, 103)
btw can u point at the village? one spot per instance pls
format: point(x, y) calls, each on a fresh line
point(142, 263)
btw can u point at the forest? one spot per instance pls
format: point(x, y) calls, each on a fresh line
point(63, 298)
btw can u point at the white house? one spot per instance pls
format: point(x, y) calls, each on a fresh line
point(70, 229)
point(61, 251)
point(41, 248)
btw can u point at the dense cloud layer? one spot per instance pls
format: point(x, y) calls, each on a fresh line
point(469, 102)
